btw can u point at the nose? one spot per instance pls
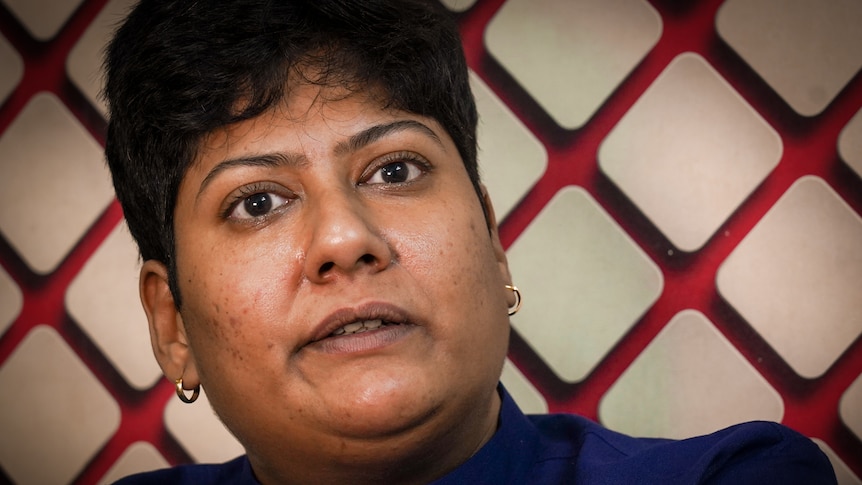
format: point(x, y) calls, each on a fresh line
point(344, 240)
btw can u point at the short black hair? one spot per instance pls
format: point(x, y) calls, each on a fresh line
point(177, 70)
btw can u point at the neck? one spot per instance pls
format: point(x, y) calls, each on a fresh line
point(419, 455)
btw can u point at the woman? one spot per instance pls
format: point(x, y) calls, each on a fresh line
point(321, 256)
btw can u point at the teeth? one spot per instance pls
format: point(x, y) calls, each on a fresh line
point(359, 327)
point(372, 324)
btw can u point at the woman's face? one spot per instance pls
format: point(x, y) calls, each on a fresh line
point(324, 218)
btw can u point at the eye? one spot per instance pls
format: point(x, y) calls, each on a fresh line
point(396, 172)
point(256, 205)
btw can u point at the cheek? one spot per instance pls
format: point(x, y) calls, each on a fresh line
point(227, 306)
point(240, 276)
point(444, 235)
point(454, 258)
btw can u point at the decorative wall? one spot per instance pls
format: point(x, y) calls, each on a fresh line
point(679, 186)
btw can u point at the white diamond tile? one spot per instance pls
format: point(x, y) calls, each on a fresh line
point(200, 432)
point(522, 390)
point(84, 63)
point(139, 457)
point(584, 281)
point(806, 50)
point(458, 5)
point(850, 407)
point(104, 300)
point(54, 182)
point(570, 56)
point(689, 381)
point(11, 301)
point(689, 152)
point(11, 68)
point(43, 18)
point(796, 277)
point(54, 414)
point(511, 159)
point(850, 143)
point(843, 474)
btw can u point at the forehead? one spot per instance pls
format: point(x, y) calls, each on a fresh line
point(304, 105)
point(312, 122)
point(299, 104)
point(306, 109)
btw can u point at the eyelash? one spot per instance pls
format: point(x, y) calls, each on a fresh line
point(402, 156)
point(247, 191)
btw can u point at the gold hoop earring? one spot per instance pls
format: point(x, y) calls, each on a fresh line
point(182, 394)
point(517, 306)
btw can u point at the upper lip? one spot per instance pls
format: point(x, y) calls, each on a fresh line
point(369, 311)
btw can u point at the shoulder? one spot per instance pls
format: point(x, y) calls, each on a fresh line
point(749, 453)
point(235, 471)
point(760, 452)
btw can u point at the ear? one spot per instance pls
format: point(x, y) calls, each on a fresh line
point(167, 331)
point(499, 253)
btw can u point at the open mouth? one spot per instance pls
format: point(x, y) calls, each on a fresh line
point(380, 324)
point(361, 326)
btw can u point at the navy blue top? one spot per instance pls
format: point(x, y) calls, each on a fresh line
point(564, 448)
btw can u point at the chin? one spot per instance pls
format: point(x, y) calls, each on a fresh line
point(375, 407)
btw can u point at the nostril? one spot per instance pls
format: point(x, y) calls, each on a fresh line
point(325, 267)
point(366, 260)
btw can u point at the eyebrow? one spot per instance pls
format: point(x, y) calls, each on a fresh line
point(267, 160)
point(352, 144)
point(376, 132)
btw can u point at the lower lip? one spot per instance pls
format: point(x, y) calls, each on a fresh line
point(367, 341)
